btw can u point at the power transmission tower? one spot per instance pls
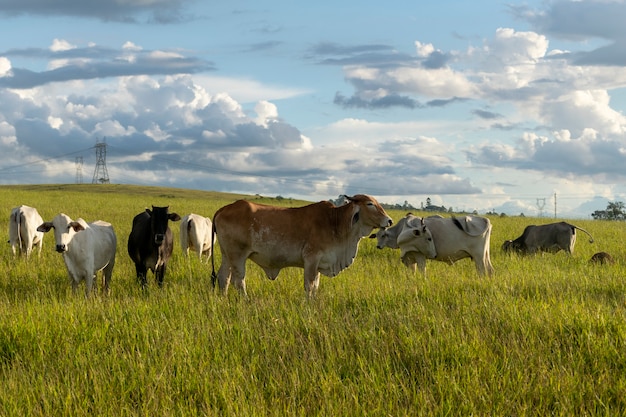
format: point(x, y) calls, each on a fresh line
point(541, 203)
point(100, 174)
point(79, 170)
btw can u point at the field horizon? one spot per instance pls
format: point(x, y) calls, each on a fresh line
point(545, 335)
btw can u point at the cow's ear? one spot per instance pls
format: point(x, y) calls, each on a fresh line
point(355, 217)
point(45, 227)
point(173, 217)
point(76, 226)
point(373, 236)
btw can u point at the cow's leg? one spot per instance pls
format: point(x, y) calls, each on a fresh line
point(311, 279)
point(141, 274)
point(421, 263)
point(483, 265)
point(107, 273)
point(223, 276)
point(74, 281)
point(488, 266)
point(89, 278)
point(29, 248)
point(481, 268)
point(409, 261)
point(159, 274)
point(238, 276)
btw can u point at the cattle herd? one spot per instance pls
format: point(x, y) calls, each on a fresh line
point(320, 238)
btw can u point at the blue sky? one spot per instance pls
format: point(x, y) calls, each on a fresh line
point(480, 105)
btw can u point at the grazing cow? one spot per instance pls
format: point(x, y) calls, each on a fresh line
point(454, 239)
point(602, 258)
point(86, 248)
point(422, 238)
point(551, 237)
point(321, 238)
point(195, 234)
point(150, 243)
point(23, 234)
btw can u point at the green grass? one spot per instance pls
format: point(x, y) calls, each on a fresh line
point(545, 335)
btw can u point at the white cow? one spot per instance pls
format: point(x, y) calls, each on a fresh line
point(23, 234)
point(195, 234)
point(86, 248)
point(454, 238)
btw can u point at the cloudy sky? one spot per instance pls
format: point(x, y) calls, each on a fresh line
point(482, 105)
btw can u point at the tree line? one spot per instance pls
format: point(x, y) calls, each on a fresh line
point(614, 211)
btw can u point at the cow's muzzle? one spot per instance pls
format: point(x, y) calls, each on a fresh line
point(61, 248)
point(158, 238)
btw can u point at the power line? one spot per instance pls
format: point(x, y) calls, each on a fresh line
point(42, 160)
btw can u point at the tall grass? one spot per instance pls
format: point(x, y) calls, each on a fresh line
point(545, 335)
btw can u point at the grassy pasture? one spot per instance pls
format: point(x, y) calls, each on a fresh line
point(545, 336)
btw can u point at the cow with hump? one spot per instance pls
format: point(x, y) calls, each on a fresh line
point(150, 243)
point(23, 233)
point(551, 238)
point(320, 237)
point(87, 248)
point(453, 239)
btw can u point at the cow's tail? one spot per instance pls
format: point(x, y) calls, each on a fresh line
point(590, 237)
point(19, 216)
point(213, 274)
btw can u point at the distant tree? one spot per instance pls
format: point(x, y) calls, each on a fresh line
point(615, 210)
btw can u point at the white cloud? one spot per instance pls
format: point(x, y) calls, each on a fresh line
point(266, 112)
point(61, 45)
point(247, 90)
point(5, 67)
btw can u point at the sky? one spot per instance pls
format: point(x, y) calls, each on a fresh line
point(513, 107)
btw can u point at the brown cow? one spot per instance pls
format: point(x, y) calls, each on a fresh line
point(320, 237)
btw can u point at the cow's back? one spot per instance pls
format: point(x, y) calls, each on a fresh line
point(453, 243)
point(244, 222)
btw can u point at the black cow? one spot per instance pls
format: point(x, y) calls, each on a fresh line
point(150, 243)
point(551, 237)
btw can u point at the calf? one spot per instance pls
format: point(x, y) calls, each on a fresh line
point(23, 233)
point(195, 234)
point(150, 243)
point(86, 248)
point(602, 258)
